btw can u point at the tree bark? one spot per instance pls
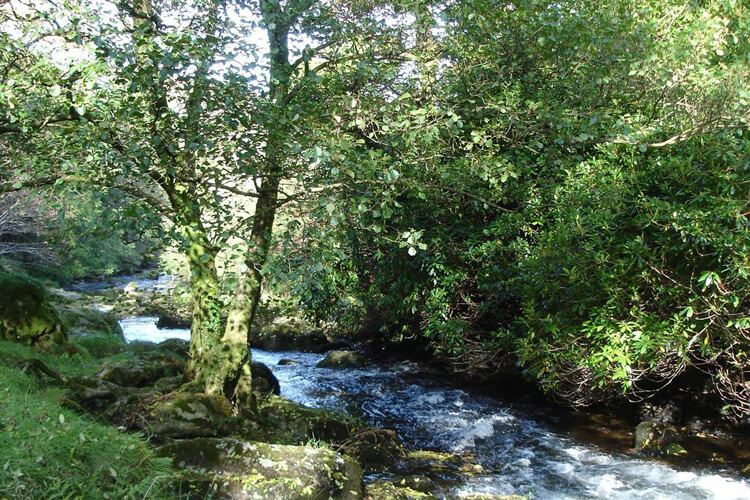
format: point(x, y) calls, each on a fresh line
point(236, 364)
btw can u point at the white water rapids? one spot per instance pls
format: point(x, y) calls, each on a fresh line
point(519, 453)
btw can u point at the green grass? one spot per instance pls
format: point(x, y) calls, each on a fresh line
point(51, 452)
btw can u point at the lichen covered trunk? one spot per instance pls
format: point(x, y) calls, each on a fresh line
point(247, 297)
point(207, 326)
point(235, 367)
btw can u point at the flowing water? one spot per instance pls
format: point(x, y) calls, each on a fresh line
point(518, 449)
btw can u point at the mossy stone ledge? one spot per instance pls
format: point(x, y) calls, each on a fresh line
point(234, 469)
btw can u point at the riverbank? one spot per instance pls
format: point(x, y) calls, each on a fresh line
point(710, 440)
point(459, 438)
point(90, 413)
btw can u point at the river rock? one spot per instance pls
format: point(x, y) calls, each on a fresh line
point(189, 415)
point(291, 422)
point(174, 347)
point(658, 439)
point(177, 346)
point(234, 469)
point(26, 314)
point(493, 497)
point(169, 321)
point(342, 359)
point(287, 362)
point(264, 381)
point(289, 334)
point(381, 489)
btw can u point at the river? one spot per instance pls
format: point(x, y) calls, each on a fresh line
point(520, 452)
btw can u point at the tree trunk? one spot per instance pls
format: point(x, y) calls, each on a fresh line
point(206, 329)
point(235, 369)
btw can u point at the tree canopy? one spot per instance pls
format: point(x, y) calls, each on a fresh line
point(559, 189)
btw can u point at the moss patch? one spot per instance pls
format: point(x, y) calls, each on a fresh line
point(26, 314)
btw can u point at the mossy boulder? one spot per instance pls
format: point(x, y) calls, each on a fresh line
point(658, 439)
point(264, 381)
point(425, 462)
point(174, 347)
point(342, 359)
point(282, 421)
point(289, 334)
point(86, 321)
point(26, 313)
point(142, 370)
point(234, 469)
point(147, 303)
point(189, 415)
point(493, 497)
point(288, 422)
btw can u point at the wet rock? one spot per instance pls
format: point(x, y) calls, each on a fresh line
point(658, 439)
point(493, 497)
point(158, 304)
point(386, 490)
point(169, 321)
point(746, 472)
point(26, 313)
point(189, 415)
point(289, 422)
point(287, 334)
point(374, 447)
point(427, 462)
point(264, 381)
point(287, 362)
point(668, 413)
point(234, 469)
point(342, 359)
point(142, 370)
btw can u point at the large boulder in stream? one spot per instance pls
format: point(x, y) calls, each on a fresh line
point(234, 469)
point(342, 359)
point(283, 421)
point(26, 314)
point(264, 381)
point(658, 439)
point(172, 321)
point(290, 334)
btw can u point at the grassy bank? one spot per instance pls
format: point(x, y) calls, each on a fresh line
point(52, 452)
